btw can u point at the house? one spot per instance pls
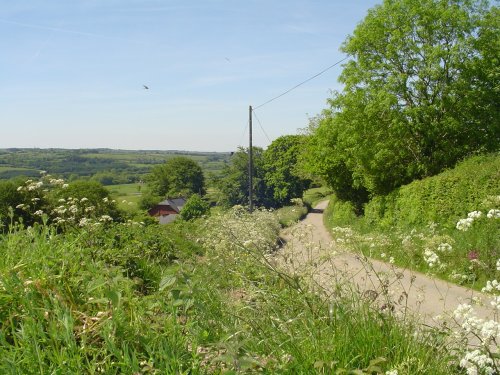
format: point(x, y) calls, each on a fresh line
point(167, 210)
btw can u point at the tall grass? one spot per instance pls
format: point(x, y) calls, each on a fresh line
point(191, 298)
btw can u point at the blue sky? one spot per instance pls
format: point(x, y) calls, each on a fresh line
point(72, 72)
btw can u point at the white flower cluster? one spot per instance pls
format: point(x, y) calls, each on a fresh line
point(237, 230)
point(493, 214)
point(445, 248)
point(491, 287)
point(474, 214)
point(498, 265)
point(431, 258)
point(464, 224)
point(487, 330)
point(477, 363)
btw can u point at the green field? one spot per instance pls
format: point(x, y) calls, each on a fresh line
point(126, 195)
point(110, 167)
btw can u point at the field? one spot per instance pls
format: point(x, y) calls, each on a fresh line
point(110, 167)
point(126, 195)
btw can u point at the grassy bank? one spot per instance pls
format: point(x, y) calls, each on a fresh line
point(447, 225)
point(186, 298)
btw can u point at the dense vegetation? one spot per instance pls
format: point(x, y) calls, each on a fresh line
point(85, 289)
point(277, 178)
point(446, 225)
point(420, 94)
point(124, 298)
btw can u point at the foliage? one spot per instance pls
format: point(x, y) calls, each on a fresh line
point(51, 200)
point(280, 165)
point(126, 298)
point(178, 176)
point(418, 96)
point(446, 224)
point(314, 195)
point(195, 207)
point(443, 198)
point(289, 215)
point(233, 182)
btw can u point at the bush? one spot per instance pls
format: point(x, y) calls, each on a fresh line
point(444, 198)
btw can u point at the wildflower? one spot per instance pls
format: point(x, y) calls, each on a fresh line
point(391, 260)
point(105, 200)
point(498, 265)
point(495, 302)
point(65, 186)
point(20, 206)
point(473, 255)
point(105, 218)
point(474, 214)
point(39, 212)
point(491, 286)
point(475, 362)
point(445, 247)
point(62, 200)
point(464, 224)
point(431, 258)
point(493, 214)
point(383, 255)
point(84, 199)
point(391, 372)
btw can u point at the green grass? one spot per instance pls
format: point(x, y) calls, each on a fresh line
point(421, 216)
point(186, 298)
point(127, 196)
point(315, 195)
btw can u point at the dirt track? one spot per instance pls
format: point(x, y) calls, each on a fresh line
point(409, 291)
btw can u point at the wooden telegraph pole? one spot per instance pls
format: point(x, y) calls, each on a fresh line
point(250, 162)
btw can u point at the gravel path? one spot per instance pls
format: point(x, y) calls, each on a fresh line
point(310, 251)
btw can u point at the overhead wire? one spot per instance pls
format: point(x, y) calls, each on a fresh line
point(260, 124)
point(301, 83)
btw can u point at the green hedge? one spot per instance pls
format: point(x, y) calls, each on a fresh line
point(444, 198)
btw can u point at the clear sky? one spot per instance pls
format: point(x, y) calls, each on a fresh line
point(72, 71)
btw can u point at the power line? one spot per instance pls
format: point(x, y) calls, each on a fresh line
point(300, 84)
point(261, 127)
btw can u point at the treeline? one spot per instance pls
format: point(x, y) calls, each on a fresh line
point(109, 167)
point(421, 93)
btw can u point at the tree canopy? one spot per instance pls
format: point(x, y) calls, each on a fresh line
point(281, 175)
point(178, 176)
point(420, 93)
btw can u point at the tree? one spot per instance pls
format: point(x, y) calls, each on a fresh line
point(179, 176)
point(92, 194)
point(233, 182)
point(194, 207)
point(420, 94)
point(281, 173)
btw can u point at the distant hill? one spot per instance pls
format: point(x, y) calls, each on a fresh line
point(110, 166)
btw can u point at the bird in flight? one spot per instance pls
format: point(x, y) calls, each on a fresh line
point(145, 87)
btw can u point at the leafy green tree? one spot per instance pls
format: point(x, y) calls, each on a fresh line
point(420, 94)
point(324, 157)
point(281, 169)
point(93, 193)
point(194, 207)
point(179, 176)
point(233, 182)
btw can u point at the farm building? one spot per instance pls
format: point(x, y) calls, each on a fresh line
point(167, 210)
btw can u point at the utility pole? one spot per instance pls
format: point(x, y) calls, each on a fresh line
point(250, 162)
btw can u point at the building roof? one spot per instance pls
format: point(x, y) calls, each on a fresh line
point(175, 203)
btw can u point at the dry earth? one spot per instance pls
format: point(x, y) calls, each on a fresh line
point(310, 252)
